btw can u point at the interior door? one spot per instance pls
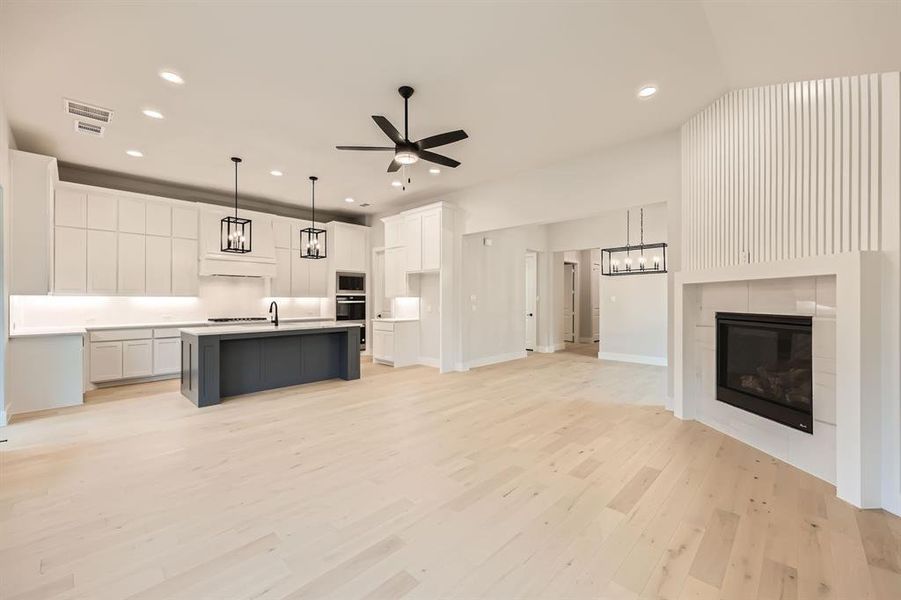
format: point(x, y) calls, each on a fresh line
point(569, 302)
point(531, 300)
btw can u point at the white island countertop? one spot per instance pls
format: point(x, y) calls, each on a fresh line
point(266, 327)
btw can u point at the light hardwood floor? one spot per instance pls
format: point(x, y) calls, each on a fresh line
point(549, 477)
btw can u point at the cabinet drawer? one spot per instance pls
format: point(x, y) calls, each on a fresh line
point(110, 335)
point(382, 326)
point(166, 332)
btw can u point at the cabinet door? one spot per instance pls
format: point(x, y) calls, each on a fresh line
point(318, 287)
point(69, 208)
point(281, 229)
point(383, 345)
point(131, 264)
point(102, 254)
point(166, 356)
point(431, 241)
point(280, 287)
point(395, 272)
point(159, 265)
point(413, 242)
point(184, 222)
point(106, 361)
point(300, 275)
point(102, 211)
point(159, 219)
point(137, 358)
point(132, 215)
point(394, 231)
point(70, 260)
point(184, 267)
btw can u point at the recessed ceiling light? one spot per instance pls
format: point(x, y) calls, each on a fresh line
point(172, 77)
point(349, 200)
point(276, 173)
point(434, 170)
point(135, 153)
point(153, 114)
point(647, 91)
point(396, 183)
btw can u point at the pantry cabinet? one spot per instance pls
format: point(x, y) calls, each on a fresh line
point(70, 260)
point(132, 265)
point(158, 265)
point(184, 267)
point(395, 272)
point(101, 268)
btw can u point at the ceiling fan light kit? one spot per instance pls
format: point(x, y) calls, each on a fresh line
point(235, 232)
point(407, 152)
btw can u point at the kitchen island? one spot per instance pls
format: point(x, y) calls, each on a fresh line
point(222, 361)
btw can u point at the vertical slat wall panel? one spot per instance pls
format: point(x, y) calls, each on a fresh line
point(783, 172)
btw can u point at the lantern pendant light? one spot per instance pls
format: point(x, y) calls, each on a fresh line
point(235, 232)
point(313, 241)
point(618, 261)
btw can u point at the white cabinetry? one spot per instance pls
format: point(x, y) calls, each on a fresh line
point(106, 361)
point(131, 264)
point(394, 231)
point(30, 199)
point(281, 283)
point(159, 219)
point(348, 247)
point(395, 272)
point(166, 355)
point(431, 240)
point(101, 262)
point(184, 267)
point(184, 222)
point(395, 342)
point(159, 265)
point(281, 232)
point(70, 208)
point(132, 215)
point(70, 260)
point(102, 211)
point(137, 358)
point(309, 277)
point(413, 242)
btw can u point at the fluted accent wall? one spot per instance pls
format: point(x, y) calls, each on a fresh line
point(783, 172)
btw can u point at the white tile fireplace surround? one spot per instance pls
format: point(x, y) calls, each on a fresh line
point(842, 295)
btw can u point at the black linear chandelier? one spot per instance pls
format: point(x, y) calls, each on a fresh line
point(235, 232)
point(313, 240)
point(642, 259)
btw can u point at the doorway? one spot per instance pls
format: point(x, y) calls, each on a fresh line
point(531, 304)
point(570, 301)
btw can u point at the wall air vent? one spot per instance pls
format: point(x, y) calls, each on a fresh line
point(89, 128)
point(87, 111)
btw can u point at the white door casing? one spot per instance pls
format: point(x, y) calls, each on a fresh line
point(531, 291)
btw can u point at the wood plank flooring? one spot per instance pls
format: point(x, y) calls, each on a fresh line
point(555, 476)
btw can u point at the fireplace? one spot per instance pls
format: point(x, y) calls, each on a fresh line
point(764, 366)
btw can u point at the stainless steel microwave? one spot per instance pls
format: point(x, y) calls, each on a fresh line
point(351, 283)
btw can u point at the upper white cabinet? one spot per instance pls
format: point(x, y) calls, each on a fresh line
point(132, 215)
point(348, 246)
point(102, 274)
point(413, 241)
point(70, 208)
point(31, 205)
point(431, 240)
point(394, 231)
point(395, 272)
point(280, 286)
point(70, 260)
point(131, 264)
point(184, 222)
point(184, 267)
point(158, 265)
point(103, 211)
point(281, 232)
point(159, 219)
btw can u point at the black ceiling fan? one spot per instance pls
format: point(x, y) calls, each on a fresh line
point(405, 151)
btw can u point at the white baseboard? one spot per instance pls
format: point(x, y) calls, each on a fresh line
point(633, 358)
point(428, 361)
point(586, 340)
point(498, 358)
point(551, 348)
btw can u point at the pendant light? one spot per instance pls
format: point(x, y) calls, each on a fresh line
point(235, 232)
point(642, 259)
point(313, 241)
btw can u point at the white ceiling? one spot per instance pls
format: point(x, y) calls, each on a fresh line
point(281, 84)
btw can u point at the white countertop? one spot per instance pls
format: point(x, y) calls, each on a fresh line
point(267, 327)
point(82, 329)
point(394, 319)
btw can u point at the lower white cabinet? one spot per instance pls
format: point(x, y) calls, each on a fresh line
point(137, 358)
point(106, 361)
point(395, 343)
point(166, 356)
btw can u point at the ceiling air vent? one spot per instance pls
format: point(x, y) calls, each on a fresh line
point(86, 111)
point(365, 204)
point(89, 128)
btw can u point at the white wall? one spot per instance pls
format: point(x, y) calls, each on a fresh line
point(217, 297)
point(6, 142)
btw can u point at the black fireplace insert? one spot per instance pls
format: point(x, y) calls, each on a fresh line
point(764, 365)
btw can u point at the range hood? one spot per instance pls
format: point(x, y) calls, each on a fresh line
point(258, 263)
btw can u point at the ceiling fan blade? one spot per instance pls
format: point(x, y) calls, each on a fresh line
point(433, 141)
point(371, 148)
point(389, 129)
point(439, 159)
point(394, 166)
